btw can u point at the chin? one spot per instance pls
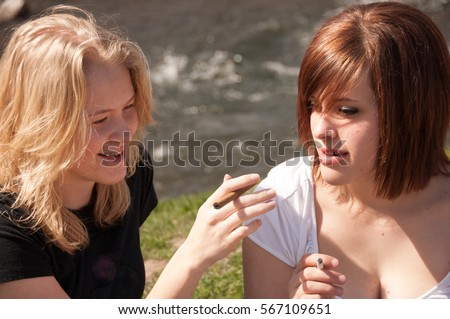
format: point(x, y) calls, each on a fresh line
point(113, 176)
point(333, 177)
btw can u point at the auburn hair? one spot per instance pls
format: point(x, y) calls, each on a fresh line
point(407, 61)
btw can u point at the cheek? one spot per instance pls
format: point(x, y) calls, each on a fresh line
point(313, 123)
point(368, 140)
point(133, 122)
point(94, 146)
point(373, 134)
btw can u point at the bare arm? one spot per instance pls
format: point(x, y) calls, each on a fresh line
point(265, 276)
point(214, 235)
point(39, 287)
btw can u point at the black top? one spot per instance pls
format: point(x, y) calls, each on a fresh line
point(110, 267)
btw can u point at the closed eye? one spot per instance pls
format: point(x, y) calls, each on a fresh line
point(129, 107)
point(100, 120)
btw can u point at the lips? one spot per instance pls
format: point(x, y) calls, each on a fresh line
point(331, 152)
point(331, 156)
point(328, 152)
point(111, 154)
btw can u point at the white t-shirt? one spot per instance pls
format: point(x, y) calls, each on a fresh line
point(289, 230)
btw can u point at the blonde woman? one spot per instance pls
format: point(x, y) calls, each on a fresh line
point(74, 188)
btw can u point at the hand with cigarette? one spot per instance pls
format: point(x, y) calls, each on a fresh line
point(216, 232)
point(315, 277)
point(218, 227)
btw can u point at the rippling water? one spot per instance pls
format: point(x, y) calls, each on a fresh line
point(224, 77)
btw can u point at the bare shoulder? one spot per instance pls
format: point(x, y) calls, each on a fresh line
point(441, 190)
point(36, 288)
point(432, 205)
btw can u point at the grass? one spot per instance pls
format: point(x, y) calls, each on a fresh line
point(165, 229)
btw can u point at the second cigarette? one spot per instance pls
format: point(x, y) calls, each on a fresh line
point(319, 263)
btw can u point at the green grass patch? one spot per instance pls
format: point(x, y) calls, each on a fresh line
point(165, 229)
point(224, 280)
point(170, 221)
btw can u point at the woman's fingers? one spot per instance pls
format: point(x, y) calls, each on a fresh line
point(310, 260)
point(243, 231)
point(234, 221)
point(216, 232)
point(309, 281)
point(230, 185)
point(317, 289)
point(246, 207)
point(314, 274)
point(321, 288)
point(233, 215)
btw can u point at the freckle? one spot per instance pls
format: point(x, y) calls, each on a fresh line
point(382, 234)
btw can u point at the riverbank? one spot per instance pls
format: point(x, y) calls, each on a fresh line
point(224, 79)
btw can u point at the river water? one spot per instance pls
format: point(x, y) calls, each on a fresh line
point(224, 78)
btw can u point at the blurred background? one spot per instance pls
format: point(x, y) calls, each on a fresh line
point(224, 78)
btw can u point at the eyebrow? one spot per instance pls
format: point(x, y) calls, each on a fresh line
point(343, 99)
point(346, 100)
point(102, 111)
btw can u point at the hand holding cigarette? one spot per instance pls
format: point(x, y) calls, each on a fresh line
point(231, 196)
point(324, 280)
point(217, 232)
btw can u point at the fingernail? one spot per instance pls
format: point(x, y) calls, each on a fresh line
point(335, 262)
point(254, 176)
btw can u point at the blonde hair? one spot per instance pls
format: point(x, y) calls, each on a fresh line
point(45, 130)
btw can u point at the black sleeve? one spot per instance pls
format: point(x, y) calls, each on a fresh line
point(22, 252)
point(143, 195)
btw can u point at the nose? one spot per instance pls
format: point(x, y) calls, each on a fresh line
point(121, 132)
point(322, 127)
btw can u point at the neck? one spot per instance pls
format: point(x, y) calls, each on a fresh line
point(363, 196)
point(76, 195)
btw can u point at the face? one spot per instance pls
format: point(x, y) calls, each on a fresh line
point(113, 122)
point(346, 136)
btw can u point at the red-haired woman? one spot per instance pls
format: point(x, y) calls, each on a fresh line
point(373, 199)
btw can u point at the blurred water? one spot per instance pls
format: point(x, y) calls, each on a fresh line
point(224, 77)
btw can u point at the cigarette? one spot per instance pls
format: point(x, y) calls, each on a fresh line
point(320, 263)
point(231, 196)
